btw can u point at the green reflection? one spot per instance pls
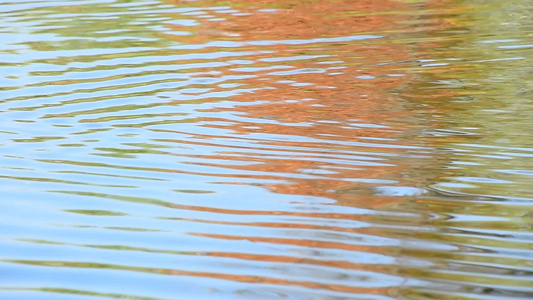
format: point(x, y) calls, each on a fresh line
point(79, 292)
point(481, 99)
point(95, 212)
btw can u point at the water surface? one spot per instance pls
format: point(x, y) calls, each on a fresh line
point(266, 149)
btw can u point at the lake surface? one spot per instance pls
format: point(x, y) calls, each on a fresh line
point(277, 149)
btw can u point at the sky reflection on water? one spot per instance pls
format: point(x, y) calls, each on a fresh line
point(265, 150)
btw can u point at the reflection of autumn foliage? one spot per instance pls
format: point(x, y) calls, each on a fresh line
point(308, 19)
point(321, 18)
point(323, 96)
point(327, 118)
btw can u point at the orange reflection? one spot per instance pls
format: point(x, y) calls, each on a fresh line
point(326, 113)
point(325, 97)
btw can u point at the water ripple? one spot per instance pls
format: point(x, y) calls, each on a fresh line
point(223, 150)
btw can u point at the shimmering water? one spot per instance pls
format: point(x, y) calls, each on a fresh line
point(277, 149)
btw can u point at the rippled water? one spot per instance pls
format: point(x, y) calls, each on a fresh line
point(281, 149)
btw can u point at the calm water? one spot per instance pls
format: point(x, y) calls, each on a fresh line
point(278, 149)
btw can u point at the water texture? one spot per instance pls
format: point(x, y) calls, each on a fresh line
point(276, 149)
